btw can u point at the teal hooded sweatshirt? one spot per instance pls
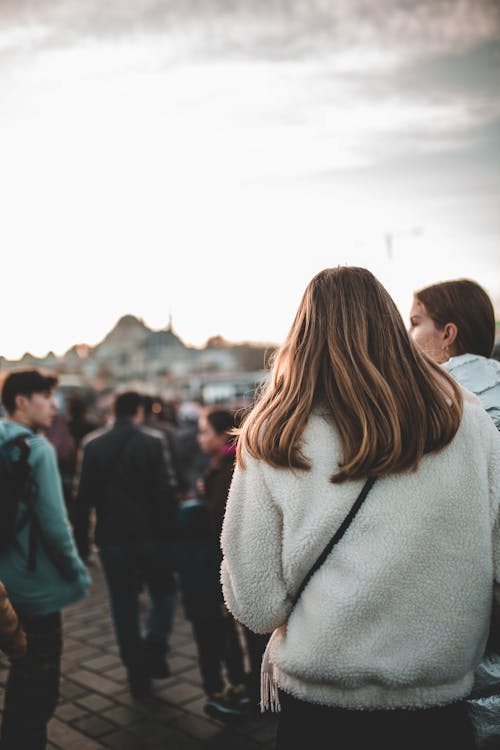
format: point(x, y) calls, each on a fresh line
point(59, 577)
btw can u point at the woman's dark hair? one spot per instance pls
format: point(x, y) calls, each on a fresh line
point(221, 420)
point(467, 305)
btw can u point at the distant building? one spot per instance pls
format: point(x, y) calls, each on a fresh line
point(157, 362)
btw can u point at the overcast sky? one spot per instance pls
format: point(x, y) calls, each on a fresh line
point(206, 158)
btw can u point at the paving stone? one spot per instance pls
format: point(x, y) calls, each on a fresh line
point(70, 711)
point(164, 712)
point(104, 640)
point(201, 729)
point(69, 690)
point(94, 725)
point(151, 731)
point(123, 740)
point(125, 698)
point(65, 737)
point(119, 674)
point(180, 692)
point(102, 662)
point(188, 649)
point(93, 681)
point(179, 639)
point(225, 741)
point(85, 632)
point(122, 715)
point(192, 675)
point(95, 702)
point(179, 664)
point(97, 711)
point(178, 741)
point(195, 707)
point(80, 655)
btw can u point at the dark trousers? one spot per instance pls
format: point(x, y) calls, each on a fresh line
point(301, 724)
point(218, 643)
point(256, 645)
point(128, 568)
point(33, 685)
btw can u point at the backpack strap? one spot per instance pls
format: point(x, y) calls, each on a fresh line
point(19, 442)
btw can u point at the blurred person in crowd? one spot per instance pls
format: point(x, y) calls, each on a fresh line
point(454, 323)
point(124, 477)
point(79, 422)
point(63, 441)
point(218, 636)
point(107, 419)
point(152, 425)
point(191, 461)
point(41, 568)
point(365, 656)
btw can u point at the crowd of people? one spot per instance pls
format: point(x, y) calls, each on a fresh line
point(227, 514)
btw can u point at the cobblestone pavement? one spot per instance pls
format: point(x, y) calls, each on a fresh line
point(96, 711)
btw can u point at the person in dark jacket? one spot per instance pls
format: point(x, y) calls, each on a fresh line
point(124, 477)
point(218, 636)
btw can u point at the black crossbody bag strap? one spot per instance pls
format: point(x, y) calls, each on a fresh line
point(336, 537)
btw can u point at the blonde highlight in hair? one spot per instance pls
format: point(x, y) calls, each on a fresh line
point(348, 351)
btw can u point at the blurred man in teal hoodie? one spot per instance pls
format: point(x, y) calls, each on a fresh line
point(41, 568)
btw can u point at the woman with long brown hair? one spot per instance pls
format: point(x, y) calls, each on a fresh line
point(382, 644)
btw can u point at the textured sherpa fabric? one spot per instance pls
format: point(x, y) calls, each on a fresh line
point(398, 615)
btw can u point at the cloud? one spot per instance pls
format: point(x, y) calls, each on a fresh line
point(272, 29)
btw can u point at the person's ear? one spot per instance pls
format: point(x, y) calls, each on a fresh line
point(450, 333)
point(20, 401)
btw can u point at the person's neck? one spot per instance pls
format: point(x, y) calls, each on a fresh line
point(20, 419)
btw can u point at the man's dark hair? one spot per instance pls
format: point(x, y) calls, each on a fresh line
point(127, 404)
point(25, 383)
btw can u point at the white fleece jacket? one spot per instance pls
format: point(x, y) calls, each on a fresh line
point(398, 615)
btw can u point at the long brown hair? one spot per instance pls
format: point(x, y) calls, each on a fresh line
point(348, 350)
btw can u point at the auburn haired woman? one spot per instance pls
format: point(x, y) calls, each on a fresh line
point(381, 647)
point(454, 323)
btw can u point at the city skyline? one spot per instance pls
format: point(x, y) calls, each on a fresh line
point(85, 347)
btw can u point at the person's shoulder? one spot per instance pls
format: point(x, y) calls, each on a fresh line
point(475, 372)
point(39, 444)
point(152, 432)
point(96, 437)
point(41, 451)
point(475, 418)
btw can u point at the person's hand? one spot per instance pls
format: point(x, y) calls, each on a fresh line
point(200, 486)
point(19, 645)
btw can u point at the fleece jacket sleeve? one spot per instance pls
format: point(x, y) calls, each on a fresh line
point(251, 572)
point(494, 488)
